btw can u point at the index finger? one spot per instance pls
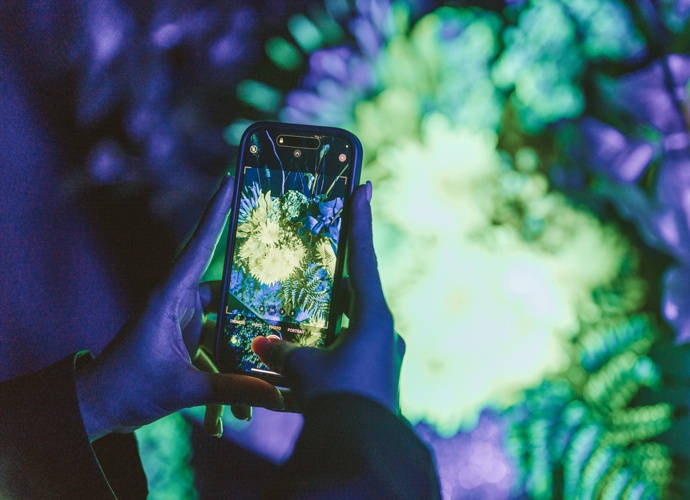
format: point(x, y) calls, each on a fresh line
point(197, 253)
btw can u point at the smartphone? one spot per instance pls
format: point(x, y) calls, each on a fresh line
point(286, 241)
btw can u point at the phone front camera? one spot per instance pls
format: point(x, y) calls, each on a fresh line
point(297, 153)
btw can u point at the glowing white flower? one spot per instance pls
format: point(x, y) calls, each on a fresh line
point(252, 248)
point(440, 177)
point(293, 255)
point(271, 266)
point(269, 232)
point(485, 313)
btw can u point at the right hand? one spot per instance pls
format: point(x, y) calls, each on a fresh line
point(365, 358)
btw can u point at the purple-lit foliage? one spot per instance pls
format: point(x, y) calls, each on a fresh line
point(472, 464)
point(643, 164)
point(154, 89)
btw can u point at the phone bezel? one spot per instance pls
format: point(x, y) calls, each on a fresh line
point(335, 315)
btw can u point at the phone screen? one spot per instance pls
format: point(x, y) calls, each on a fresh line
point(284, 258)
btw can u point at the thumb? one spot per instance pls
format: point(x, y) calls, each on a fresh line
point(362, 265)
point(274, 352)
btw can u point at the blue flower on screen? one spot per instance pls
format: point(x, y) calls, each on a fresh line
point(330, 210)
point(312, 224)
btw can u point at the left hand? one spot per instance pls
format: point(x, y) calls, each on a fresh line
point(145, 372)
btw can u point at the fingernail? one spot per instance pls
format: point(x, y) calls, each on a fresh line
point(225, 179)
point(369, 191)
point(273, 338)
point(219, 428)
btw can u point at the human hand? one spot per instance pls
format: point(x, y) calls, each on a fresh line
point(365, 358)
point(145, 372)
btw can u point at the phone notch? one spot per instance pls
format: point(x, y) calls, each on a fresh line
point(298, 141)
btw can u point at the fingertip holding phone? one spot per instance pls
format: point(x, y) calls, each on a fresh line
point(286, 241)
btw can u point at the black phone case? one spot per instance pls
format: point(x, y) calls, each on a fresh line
point(335, 315)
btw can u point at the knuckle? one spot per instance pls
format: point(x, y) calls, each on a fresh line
point(206, 246)
point(402, 347)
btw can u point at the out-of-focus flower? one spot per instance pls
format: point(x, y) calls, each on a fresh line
point(442, 65)
point(466, 254)
point(542, 63)
point(654, 95)
point(338, 78)
point(607, 28)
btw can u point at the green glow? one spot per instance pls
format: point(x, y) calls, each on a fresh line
point(449, 189)
point(283, 53)
point(526, 159)
point(542, 63)
point(165, 452)
point(330, 30)
point(307, 36)
point(259, 95)
point(233, 132)
point(607, 26)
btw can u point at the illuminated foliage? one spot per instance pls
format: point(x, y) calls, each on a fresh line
point(577, 436)
point(165, 454)
point(547, 53)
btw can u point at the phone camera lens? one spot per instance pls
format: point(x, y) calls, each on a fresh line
point(297, 153)
point(253, 149)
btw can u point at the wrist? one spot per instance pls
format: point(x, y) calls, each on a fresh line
point(93, 416)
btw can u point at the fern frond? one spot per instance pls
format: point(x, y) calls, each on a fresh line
point(308, 289)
